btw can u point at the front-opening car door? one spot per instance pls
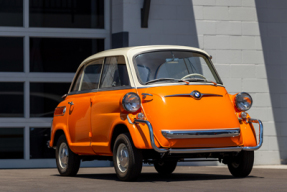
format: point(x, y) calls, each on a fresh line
point(79, 108)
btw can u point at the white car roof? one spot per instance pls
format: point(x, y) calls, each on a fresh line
point(128, 51)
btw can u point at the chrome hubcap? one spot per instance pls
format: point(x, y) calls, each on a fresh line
point(122, 157)
point(63, 156)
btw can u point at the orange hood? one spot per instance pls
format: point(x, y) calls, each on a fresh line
point(172, 108)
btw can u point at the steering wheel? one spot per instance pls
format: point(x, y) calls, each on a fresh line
point(194, 74)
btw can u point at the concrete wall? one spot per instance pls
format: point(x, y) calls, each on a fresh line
point(229, 30)
point(272, 21)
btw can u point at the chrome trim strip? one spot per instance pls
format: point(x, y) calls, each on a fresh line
point(190, 95)
point(178, 95)
point(207, 133)
point(211, 95)
point(204, 150)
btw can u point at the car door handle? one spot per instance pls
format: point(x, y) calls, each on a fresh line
point(145, 95)
point(71, 103)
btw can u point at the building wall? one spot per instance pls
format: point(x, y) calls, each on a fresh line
point(272, 21)
point(36, 69)
point(240, 35)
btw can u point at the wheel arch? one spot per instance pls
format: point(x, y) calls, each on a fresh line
point(139, 134)
point(118, 129)
point(57, 135)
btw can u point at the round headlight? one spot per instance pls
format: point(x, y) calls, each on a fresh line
point(243, 101)
point(131, 102)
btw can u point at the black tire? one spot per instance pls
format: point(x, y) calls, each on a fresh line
point(242, 164)
point(165, 167)
point(72, 166)
point(133, 165)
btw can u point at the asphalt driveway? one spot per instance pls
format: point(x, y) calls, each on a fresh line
point(104, 179)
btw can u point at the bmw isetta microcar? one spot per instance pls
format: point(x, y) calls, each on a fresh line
point(152, 104)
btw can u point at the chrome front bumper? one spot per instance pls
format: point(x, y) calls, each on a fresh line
point(205, 150)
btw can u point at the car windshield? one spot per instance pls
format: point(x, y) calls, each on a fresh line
point(173, 66)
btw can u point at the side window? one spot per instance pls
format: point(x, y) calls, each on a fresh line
point(91, 75)
point(77, 82)
point(115, 73)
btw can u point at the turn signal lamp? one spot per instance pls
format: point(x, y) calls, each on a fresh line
point(59, 111)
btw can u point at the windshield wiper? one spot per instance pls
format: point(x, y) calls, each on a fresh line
point(193, 79)
point(181, 80)
point(198, 80)
point(160, 79)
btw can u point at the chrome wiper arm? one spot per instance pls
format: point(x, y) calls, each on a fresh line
point(160, 79)
point(195, 79)
point(200, 80)
point(215, 84)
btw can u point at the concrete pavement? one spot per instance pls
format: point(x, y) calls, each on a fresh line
point(185, 178)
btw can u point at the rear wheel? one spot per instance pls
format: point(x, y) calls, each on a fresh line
point(68, 163)
point(165, 167)
point(127, 158)
point(242, 164)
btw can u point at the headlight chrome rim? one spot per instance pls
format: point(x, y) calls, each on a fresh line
point(123, 102)
point(236, 101)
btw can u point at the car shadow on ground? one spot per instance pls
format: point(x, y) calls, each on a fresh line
point(152, 177)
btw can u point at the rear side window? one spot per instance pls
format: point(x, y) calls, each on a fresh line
point(115, 73)
point(91, 75)
point(77, 81)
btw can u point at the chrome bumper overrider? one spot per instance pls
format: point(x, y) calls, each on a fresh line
point(204, 150)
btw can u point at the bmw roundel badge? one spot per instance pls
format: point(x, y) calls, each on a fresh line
point(196, 94)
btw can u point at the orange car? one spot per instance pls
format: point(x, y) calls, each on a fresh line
point(152, 104)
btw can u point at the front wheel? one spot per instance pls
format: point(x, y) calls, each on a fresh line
point(165, 167)
point(242, 164)
point(68, 163)
point(127, 158)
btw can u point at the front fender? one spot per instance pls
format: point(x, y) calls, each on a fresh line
point(248, 134)
point(138, 132)
point(59, 127)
